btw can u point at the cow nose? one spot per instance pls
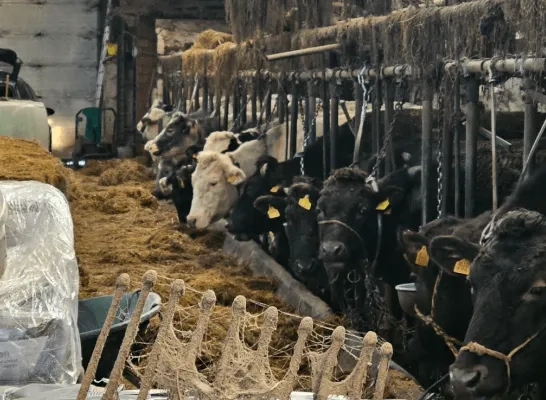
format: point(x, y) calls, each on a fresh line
point(467, 379)
point(333, 250)
point(156, 193)
point(228, 226)
point(305, 265)
point(191, 222)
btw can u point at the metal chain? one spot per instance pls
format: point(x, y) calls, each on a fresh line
point(440, 156)
point(388, 136)
point(307, 130)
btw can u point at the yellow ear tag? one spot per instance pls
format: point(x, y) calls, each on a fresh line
point(273, 213)
point(462, 267)
point(274, 189)
point(422, 257)
point(383, 205)
point(231, 179)
point(304, 202)
point(194, 156)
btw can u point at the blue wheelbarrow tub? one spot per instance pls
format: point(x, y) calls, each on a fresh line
point(91, 317)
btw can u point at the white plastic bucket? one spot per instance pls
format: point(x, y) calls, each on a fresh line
point(3, 240)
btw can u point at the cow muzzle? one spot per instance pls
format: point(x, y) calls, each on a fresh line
point(467, 381)
point(333, 251)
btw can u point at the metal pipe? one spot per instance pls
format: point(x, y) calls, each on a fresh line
point(325, 129)
point(184, 96)
point(303, 52)
point(282, 105)
point(426, 147)
point(205, 87)
point(254, 102)
point(226, 112)
point(510, 65)
point(121, 118)
point(358, 103)
point(334, 125)
point(293, 120)
point(197, 99)
point(472, 128)
point(447, 148)
point(493, 144)
point(268, 102)
point(243, 98)
point(218, 105)
point(529, 124)
point(457, 142)
point(307, 108)
point(376, 125)
point(236, 105)
point(389, 112)
point(312, 111)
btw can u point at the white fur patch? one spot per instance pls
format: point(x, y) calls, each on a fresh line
point(413, 171)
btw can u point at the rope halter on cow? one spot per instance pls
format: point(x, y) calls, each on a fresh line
point(450, 341)
point(480, 350)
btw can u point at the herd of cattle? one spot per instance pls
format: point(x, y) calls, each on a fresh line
point(479, 282)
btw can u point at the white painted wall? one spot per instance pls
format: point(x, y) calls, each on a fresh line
point(57, 42)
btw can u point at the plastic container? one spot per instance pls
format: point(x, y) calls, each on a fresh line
point(91, 316)
point(407, 296)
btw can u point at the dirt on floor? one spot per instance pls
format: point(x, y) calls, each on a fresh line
point(120, 227)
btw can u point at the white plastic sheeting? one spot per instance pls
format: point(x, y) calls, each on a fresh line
point(39, 338)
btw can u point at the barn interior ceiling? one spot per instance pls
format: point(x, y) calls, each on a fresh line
point(131, 10)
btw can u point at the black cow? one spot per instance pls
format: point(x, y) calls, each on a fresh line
point(452, 305)
point(245, 222)
point(509, 257)
point(508, 287)
point(182, 190)
point(303, 237)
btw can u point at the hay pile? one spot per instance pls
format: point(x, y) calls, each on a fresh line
point(24, 160)
point(211, 39)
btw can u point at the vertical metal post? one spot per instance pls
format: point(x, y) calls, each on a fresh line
point(457, 142)
point(358, 103)
point(254, 102)
point(282, 102)
point(197, 99)
point(226, 111)
point(184, 99)
point(447, 147)
point(426, 147)
point(236, 104)
point(472, 128)
point(325, 128)
point(293, 119)
point(389, 112)
point(244, 98)
point(268, 101)
point(311, 114)
point(205, 88)
point(529, 125)
point(334, 115)
point(376, 129)
point(218, 105)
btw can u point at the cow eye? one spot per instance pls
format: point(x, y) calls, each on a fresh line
point(213, 183)
point(538, 290)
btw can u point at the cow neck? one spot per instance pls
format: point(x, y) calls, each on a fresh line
point(428, 320)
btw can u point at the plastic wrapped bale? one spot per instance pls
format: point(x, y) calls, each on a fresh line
point(39, 338)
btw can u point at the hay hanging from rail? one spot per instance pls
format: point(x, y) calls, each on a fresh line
point(249, 19)
point(211, 39)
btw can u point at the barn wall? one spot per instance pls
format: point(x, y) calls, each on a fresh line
point(57, 41)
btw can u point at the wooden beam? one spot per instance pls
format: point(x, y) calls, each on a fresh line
point(303, 52)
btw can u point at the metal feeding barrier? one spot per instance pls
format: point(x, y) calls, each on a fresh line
point(231, 379)
point(375, 86)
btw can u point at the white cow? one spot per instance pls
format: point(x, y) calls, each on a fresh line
point(216, 178)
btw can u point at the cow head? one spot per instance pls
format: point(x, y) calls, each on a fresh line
point(347, 210)
point(222, 141)
point(157, 112)
point(301, 225)
point(214, 184)
point(180, 133)
point(507, 277)
point(246, 221)
point(162, 190)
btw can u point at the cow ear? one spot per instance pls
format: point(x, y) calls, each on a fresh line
point(452, 254)
point(415, 248)
point(235, 175)
point(272, 206)
point(392, 196)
